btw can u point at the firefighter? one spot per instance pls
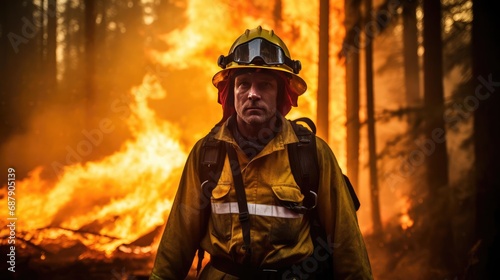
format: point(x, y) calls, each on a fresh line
point(258, 225)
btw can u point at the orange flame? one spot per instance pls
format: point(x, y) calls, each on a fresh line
point(405, 220)
point(213, 27)
point(131, 189)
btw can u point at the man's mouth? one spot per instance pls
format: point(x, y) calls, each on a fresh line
point(253, 108)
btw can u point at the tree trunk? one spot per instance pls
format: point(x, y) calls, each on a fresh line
point(352, 112)
point(41, 33)
point(412, 86)
point(434, 93)
point(90, 55)
point(370, 107)
point(8, 13)
point(486, 75)
point(323, 69)
point(440, 245)
point(352, 93)
point(411, 64)
point(50, 62)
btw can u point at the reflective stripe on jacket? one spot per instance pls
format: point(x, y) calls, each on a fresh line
point(279, 237)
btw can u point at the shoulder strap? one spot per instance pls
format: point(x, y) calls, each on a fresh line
point(304, 161)
point(241, 196)
point(212, 156)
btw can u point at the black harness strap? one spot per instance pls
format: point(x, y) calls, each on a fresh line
point(244, 216)
point(303, 160)
point(212, 160)
point(304, 164)
point(212, 155)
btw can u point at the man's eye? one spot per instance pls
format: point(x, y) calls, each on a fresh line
point(266, 85)
point(244, 85)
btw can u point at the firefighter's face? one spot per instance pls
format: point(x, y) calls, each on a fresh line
point(255, 99)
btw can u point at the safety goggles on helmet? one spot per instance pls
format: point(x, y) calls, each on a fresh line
point(259, 51)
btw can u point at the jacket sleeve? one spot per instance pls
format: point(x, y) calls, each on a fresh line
point(338, 216)
point(182, 234)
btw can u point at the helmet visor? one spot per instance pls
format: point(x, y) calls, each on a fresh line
point(259, 48)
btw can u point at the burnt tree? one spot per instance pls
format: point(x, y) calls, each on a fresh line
point(90, 57)
point(370, 114)
point(351, 52)
point(411, 64)
point(323, 70)
point(486, 78)
point(439, 243)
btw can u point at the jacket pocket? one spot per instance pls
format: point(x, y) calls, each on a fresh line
point(286, 229)
point(221, 212)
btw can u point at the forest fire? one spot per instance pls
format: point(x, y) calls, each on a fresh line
point(117, 205)
point(102, 101)
point(105, 204)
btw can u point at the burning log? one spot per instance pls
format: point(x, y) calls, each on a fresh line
point(51, 251)
point(83, 232)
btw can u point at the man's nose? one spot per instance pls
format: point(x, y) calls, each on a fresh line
point(253, 93)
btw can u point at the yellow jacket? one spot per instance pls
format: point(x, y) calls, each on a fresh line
point(279, 236)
